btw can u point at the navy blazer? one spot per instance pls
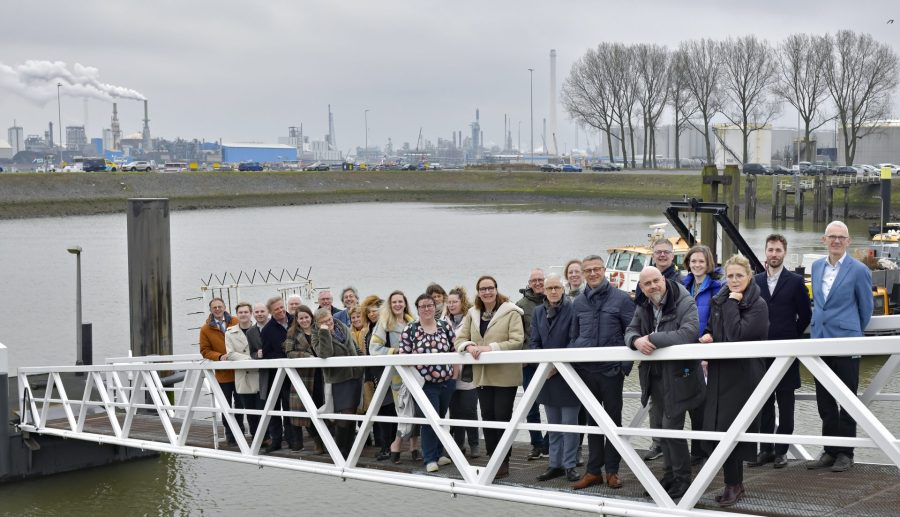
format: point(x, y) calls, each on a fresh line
point(848, 309)
point(547, 333)
point(789, 315)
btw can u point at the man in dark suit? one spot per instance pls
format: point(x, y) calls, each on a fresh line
point(273, 335)
point(842, 307)
point(789, 314)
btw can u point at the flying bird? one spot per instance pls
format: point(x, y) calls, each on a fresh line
point(891, 21)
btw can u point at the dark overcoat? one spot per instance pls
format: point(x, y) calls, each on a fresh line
point(553, 333)
point(730, 382)
point(790, 311)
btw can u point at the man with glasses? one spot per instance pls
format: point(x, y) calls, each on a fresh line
point(664, 260)
point(601, 314)
point(532, 296)
point(842, 307)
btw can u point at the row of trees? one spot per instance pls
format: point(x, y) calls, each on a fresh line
point(847, 76)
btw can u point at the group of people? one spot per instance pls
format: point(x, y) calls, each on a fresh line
point(576, 309)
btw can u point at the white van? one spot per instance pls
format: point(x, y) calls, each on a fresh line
point(175, 167)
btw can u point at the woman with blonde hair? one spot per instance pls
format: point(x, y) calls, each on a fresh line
point(737, 313)
point(464, 402)
point(395, 316)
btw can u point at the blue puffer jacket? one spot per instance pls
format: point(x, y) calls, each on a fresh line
point(708, 289)
point(600, 317)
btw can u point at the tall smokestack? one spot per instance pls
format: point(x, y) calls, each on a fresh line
point(50, 136)
point(553, 148)
point(147, 144)
point(86, 118)
point(331, 138)
point(115, 129)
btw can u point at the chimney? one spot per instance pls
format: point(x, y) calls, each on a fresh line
point(552, 143)
point(147, 144)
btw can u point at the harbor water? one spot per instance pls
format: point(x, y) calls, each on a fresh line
point(373, 246)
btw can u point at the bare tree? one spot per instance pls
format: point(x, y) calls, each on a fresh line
point(801, 80)
point(622, 85)
point(861, 76)
point(749, 66)
point(702, 70)
point(679, 98)
point(652, 62)
point(587, 96)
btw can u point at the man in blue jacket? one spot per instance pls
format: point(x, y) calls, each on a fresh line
point(600, 316)
point(789, 314)
point(842, 307)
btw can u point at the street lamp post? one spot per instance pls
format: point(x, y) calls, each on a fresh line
point(366, 115)
point(76, 250)
point(531, 88)
point(59, 121)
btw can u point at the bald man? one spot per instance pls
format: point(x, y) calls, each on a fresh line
point(667, 316)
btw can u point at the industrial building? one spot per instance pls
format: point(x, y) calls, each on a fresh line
point(880, 145)
point(729, 145)
point(6, 151)
point(240, 152)
point(16, 139)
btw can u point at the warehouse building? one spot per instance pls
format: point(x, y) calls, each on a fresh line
point(263, 153)
point(881, 145)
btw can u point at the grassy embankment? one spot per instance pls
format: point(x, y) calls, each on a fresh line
point(36, 195)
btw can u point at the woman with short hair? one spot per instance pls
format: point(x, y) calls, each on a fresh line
point(494, 324)
point(574, 278)
point(737, 313)
point(429, 335)
point(332, 339)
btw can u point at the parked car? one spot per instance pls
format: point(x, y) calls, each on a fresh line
point(781, 169)
point(250, 166)
point(75, 167)
point(139, 165)
point(815, 170)
point(550, 167)
point(867, 170)
point(571, 168)
point(93, 165)
point(846, 170)
point(754, 168)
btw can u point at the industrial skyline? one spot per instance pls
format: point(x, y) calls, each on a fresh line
point(411, 65)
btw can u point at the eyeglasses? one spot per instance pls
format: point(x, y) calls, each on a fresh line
point(536, 281)
point(429, 307)
point(592, 270)
point(662, 253)
point(553, 288)
point(840, 238)
point(487, 289)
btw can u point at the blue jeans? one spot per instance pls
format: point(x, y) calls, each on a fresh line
point(563, 446)
point(439, 394)
point(534, 414)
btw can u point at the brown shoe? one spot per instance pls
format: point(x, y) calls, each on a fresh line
point(731, 495)
point(613, 481)
point(503, 471)
point(589, 480)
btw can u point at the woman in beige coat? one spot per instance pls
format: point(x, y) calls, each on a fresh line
point(492, 325)
point(237, 348)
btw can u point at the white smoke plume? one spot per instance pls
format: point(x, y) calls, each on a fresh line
point(36, 81)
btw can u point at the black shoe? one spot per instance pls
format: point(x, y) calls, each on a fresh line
point(552, 473)
point(415, 455)
point(535, 454)
point(395, 458)
point(296, 446)
point(572, 475)
point(383, 455)
point(697, 460)
point(780, 461)
point(274, 446)
point(842, 463)
point(825, 461)
point(666, 483)
point(678, 489)
point(761, 459)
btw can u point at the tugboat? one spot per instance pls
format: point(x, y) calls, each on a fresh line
point(626, 262)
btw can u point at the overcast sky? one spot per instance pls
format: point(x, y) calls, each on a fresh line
point(245, 71)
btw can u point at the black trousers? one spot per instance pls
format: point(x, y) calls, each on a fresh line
point(608, 391)
point(386, 431)
point(234, 401)
point(277, 430)
point(786, 402)
point(497, 406)
point(835, 420)
point(733, 469)
point(251, 401)
point(464, 406)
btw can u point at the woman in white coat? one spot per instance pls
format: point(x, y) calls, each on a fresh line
point(246, 382)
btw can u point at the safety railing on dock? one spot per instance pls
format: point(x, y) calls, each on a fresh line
point(118, 394)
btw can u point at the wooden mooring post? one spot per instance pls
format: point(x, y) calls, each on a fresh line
point(750, 199)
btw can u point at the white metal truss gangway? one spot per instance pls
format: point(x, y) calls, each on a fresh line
point(123, 391)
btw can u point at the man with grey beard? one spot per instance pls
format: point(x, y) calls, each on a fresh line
point(666, 317)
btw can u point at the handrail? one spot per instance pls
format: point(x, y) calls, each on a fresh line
point(4, 359)
point(477, 480)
